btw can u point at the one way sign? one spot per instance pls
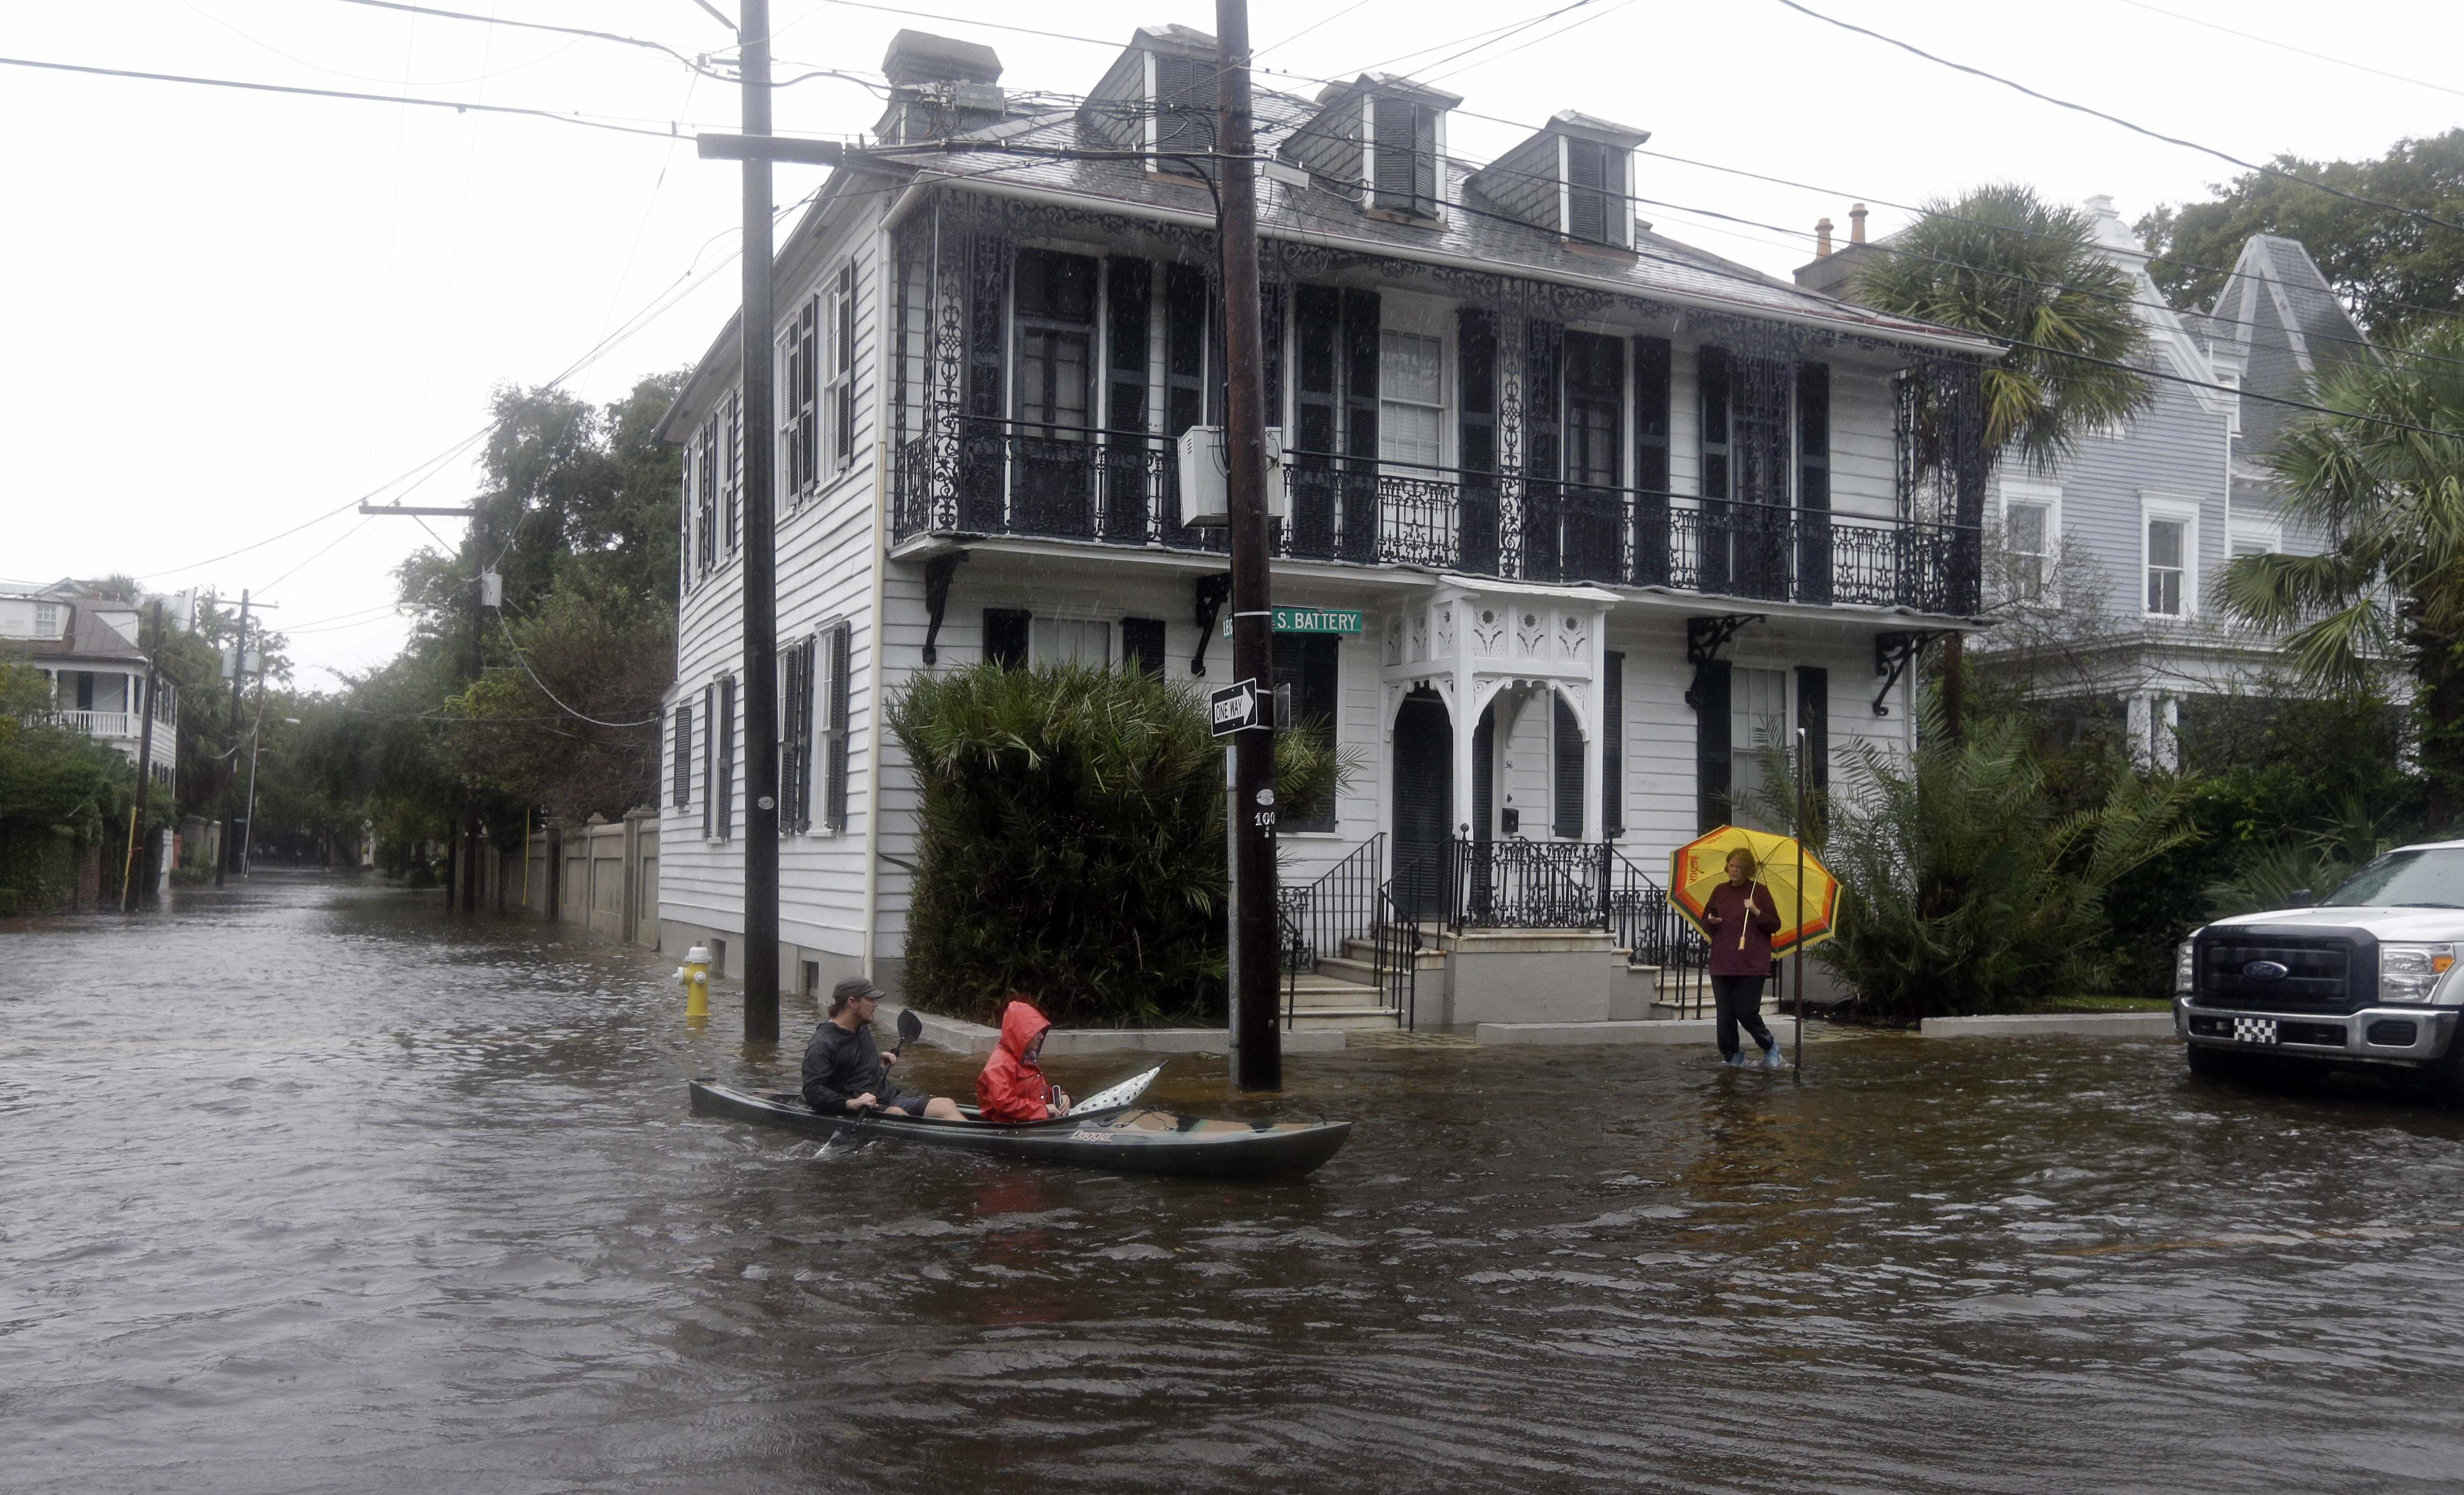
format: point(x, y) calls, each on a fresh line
point(1241, 708)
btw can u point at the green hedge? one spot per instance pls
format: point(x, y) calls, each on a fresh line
point(1072, 843)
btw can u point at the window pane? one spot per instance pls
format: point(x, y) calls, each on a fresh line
point(1409, 432)
point(1062, 641)
point(2024, 528)
point(2165, 542)
point(1408, 367)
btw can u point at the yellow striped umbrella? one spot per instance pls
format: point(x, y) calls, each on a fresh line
point(1702, 864)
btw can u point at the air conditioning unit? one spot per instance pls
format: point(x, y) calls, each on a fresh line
point(1205, 496)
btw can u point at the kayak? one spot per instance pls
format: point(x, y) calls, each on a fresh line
point(1124, 1138)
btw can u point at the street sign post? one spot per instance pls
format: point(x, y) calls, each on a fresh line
point(1241, 707)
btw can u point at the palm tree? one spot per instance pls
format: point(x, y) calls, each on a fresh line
point(2004, 263)
point(2390, 503)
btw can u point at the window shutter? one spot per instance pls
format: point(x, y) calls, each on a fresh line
point(1484, 775)
point(1142, 644)
point(1424, 161)
point(1813, 557)
point(1400, 165)
point(726, 792)
point(1319, 320)
point(1184, 338)
point(1185, 103)
point(1005, 636)
point(1476, 437)
point(1308, 667)
point(843, 355)
point(1568, 775)
point(689, 500)
point(682, 794)
point(1612, 744)
point(1813, 715)
point(709, 758)
point(1711, 765)
point(1587, 203)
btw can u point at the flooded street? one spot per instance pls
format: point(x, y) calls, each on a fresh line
point(310, 1186)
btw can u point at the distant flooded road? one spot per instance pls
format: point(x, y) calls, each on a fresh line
point(310, 1186)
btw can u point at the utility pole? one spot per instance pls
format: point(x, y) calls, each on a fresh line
point(760, 559)
point(255, 742)
point(464, 850)
point(143, 862)
point(239, 674)
point(1258, 1058)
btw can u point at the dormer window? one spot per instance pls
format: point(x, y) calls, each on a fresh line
point(1594, 192)
point(1184, 114)
point(1403, 157)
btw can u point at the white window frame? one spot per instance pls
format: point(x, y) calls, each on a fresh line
point(47, 620)
point(1437, 455)
point(1038, 652)
point(1738, 749)
point(2049, 497)
point(2155, 507)
point(2266, 533)
point(1422, 316)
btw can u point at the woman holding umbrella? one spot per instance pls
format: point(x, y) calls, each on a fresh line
point(1741, 919)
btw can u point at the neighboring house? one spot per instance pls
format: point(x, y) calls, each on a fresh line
point(1579, 517)
point(87, 647)
point(2143, 516)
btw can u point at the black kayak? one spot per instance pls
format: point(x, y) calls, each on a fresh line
point(1123, 1139)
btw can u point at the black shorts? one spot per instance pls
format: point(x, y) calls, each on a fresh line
point(907, 1101)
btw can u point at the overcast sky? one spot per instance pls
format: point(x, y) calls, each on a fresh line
point(226, 313)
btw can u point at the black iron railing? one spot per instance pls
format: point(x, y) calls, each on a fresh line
point(1348, 902)
point(981, 477)
point(1643, 922)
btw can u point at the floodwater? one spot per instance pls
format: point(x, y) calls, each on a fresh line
point(312, 1186)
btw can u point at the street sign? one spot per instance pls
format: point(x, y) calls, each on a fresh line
point(1241, 708)
point(1312, 620)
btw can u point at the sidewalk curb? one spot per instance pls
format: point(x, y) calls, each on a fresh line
point(1556, 1035)
point(973, 1037)
point(2038, 1024)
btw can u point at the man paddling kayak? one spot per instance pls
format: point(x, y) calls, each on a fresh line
point(845, 1070)
point(1012, 1087)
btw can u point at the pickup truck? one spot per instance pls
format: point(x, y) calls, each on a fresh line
point(2364, 978)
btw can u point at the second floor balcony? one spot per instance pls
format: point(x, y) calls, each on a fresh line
point(983, 478)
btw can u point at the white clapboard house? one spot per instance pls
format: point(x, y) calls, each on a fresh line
point(1577, 518)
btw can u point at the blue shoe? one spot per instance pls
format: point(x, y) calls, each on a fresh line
point(1774, 1059)
point(1735, 1061)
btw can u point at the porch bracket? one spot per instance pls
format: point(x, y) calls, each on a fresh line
point(1893, 653)
point(1704, 638)
point(1214, 590)
point(937, 574)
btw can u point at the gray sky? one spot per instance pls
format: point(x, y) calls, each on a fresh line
point(228, 313)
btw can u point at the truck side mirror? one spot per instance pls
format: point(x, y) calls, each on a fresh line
point(2303, 898)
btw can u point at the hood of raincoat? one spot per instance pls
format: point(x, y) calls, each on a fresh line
point(1021, 1023)
point(1012, 1088)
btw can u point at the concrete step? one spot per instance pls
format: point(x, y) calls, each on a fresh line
point(1369, 1020)
point(1361, 952)
point(1358, 1000)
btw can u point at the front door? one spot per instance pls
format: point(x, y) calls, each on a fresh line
point(1424, 804)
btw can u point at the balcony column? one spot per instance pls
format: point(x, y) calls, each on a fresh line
point(1594, 722)
point(1463, 708)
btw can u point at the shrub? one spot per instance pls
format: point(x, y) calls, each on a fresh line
point(1072, 842)
point(1966, 887)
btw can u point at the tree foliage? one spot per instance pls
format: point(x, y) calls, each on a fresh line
point(1968, 886)
point(2390, 269)
point(1072, 842)
point(2002, 262)
point(2390, 584)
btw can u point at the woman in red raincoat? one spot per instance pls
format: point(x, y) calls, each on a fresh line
point(1012, 1087)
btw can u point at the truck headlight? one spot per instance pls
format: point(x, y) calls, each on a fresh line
point(2186, 971)
point(2411, 972)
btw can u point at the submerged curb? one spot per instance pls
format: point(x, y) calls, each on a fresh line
point(1556, 1035)
point(973, 1037)
point(2036, 1024)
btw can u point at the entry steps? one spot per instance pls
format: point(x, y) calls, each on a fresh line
point(1341, 992)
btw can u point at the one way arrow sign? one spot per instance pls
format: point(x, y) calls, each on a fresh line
point(1241, 707)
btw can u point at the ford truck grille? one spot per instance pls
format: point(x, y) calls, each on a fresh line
point(2321, 973)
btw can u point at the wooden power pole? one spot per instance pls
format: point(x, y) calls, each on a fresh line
point(1258, 1059)
point(239, 675)
point(760, 557)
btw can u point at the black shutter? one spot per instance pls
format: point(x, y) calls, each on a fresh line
point(1565, 746)
point(726, 756)
point(1391, 121)
point(1483, 775)
point(1270, 327)
point(1185, 101)
point(1311, 665)
point(982, 453)
point(1128, 313)
point(683, 794)
point(1359, 521)
point(1613, 745)
point(1651, 538)
point(834, 773)
point(1317, 329)
point(791, 708)
point(1476, 440)
point(1712, 370)
point(1711, 765)
point(1813, 482)
point(1184, 353)
point(709, 759)
point(1142, 644)
point(1425, 161)
point(806, 657)
point(1587, 204)
point(1813, 718)
point(1005, 636)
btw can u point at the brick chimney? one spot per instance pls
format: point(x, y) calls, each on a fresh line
point(940, 86)
point(1856, 223)
point(1822, 238)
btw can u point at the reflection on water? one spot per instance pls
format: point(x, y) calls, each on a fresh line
point(307, 1186)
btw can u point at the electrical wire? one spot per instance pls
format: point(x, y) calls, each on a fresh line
point(369, 77)
point(520, 659)
point(1533, 42)
point(1272, 46)
point(2114, 118)
point(2270, 41)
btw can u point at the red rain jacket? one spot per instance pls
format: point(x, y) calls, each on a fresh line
point(1012, 1088)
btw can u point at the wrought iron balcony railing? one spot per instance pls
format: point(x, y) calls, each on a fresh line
point(990, 477)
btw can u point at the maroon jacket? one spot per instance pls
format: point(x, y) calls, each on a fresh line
point(1727, 905)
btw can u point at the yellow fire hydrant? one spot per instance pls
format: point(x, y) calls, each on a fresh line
point(694, 977)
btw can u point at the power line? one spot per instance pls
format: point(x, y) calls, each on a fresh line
point(576, 32)
point(1533, 42)
point(668, 133)
point(505, 628)
point(367, 77)
point(1306, 30)
point(2115, 119)
point(2286, 46)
